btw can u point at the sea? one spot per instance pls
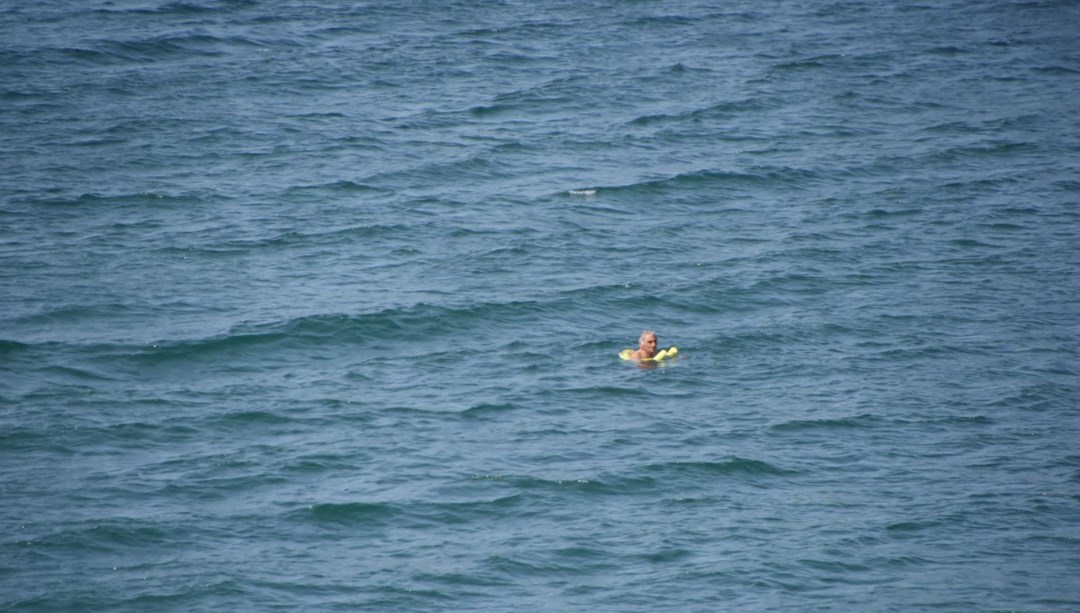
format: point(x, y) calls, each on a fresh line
point(316, 305)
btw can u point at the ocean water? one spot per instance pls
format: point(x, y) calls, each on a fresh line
point(316, 305)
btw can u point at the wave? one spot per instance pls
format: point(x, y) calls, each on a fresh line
point(9, 347)
point(487, 409)
point(800, 425)
point(371, 513)
point(125, 52)
point(634, 481)
point(22, 439)
point(73, 374)
point(150, 50)
point(383, 514)
point(183, 8)
point(556, 96)
point(343, 186)
point(253, 417)
point(761, 176)
point(734, 466)
point(297, 239)
point(812, 63)
point(106, 535)
point(377, 330)
point(321, 463)
point(722, 111)
point(395, 331)
point(996, 149)
point(71, 314)
point(581, 485)
point(139, 200)
point(652, 21)
point(1057, 71)
point(486, 165)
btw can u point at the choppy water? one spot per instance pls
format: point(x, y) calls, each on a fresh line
point(316, 305)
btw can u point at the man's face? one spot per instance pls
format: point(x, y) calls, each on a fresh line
point(648, 343)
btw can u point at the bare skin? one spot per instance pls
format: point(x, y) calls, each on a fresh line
point(646, 345)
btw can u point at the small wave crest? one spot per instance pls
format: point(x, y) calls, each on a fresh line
point(800, 425)
point(731, 467)
point(120, 52)
point(716, 112)
point(372, 513)
point(379, 332)
point(761, 177)
point(664, 475)
point(382, 514)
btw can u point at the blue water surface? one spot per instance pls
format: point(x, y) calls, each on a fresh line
point(317, 305)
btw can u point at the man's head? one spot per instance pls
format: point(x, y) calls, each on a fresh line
point(647, 341)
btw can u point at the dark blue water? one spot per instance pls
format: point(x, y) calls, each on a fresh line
point(317, 306)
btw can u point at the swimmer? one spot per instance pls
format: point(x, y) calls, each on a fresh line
point(646, 346)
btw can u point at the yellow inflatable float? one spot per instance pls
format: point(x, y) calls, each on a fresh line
point(663, 354)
